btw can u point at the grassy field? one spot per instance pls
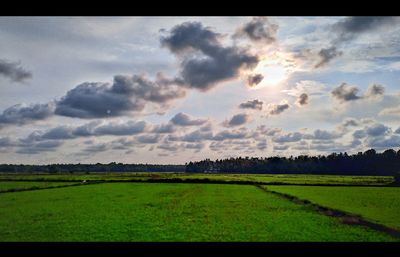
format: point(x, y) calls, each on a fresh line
point(274, 179)
point(18, 185)
point(377, 204)
point(166, 212)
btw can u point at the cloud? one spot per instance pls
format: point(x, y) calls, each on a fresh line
point(381, 142)
point(253, 80)
point(259, 29)
point(264, 130)
point(182, 119)
point(22, 113)
point(6, 142)
point(375, 90)
point(303, 99)
point(204, 62)
point(121, 128)
point(377, 130)
point(320, 134)
point(327, 54)
point(39, 147)
point(345, 93)
point(391, 111)
point(13, 71)
point(226, 134)
point(289, 137)
point(237, 120)
point(275, 109)
point(195, 146)
point(280, 147)
point(194, 136)
point(126, 94)
point(164, 128)
point(350, 27)
point(148, 139)
point(95, 128)
point(254, 104)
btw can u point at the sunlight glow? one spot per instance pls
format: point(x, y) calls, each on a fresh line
point(275, 68)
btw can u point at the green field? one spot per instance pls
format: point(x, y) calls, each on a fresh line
point(377, 204)
point(268, 179)
point(18, 185)
point(167, 212)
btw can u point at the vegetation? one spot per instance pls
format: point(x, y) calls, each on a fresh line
point(367, 163)
point(377, 204)
point(204, 178)
point(17, 185)
point(370, 162)
point(98, 167)
point(166, 212)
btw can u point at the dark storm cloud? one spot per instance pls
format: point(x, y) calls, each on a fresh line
point(303, 99)
point(182, 119)
point(345, 93)
point(253, 80)
point(254, 104)
point(204, 62)
point(22, 114)
point(237, 120)
point(13, 71)
point(259, 29)
point(327, 54)
point(126, 94)
point(276, 109)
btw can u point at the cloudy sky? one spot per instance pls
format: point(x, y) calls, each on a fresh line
point(180, 89)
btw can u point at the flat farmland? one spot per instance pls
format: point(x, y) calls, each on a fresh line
point(376, 204)
point(22, 185)
point(167, 212)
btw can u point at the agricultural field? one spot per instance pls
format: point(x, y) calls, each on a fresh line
point(377, 204)
point(22, 185)
point(167, 212)
point(261, 178)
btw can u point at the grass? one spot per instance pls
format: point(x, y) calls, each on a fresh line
point(18, 185)
point(377, 204)
point(166, 212)
point(265, 178)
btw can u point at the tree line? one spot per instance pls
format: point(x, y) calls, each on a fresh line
point(363, 163)
point(90, 168)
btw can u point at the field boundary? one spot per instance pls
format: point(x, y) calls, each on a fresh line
point(13, 190)
point(195, 181)
point(344, 217)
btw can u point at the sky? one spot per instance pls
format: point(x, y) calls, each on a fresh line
point(171, 90)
